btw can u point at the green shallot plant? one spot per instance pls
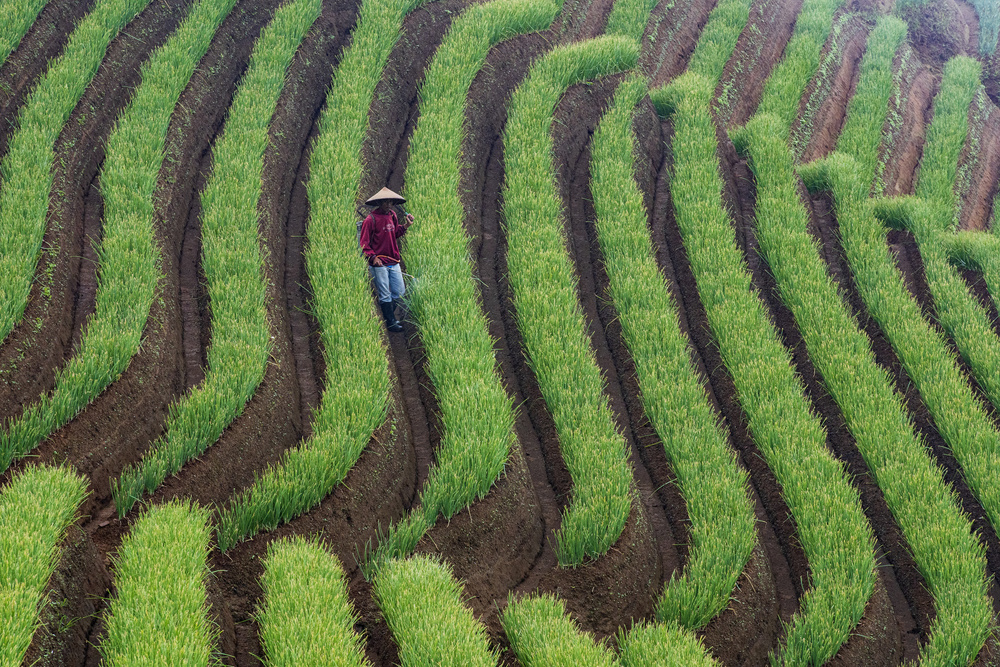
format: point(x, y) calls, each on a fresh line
point(36, 509)
point(548, 311)
point(723, 533)
point(232, 262)
point(307, 619)
point(159, 614)
point(422, 605)
point(26, 169)
point(18, 15)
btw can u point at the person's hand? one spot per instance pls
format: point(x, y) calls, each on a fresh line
point(409, 219)
point(376, 261)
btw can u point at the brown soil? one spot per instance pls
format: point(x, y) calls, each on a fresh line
point(26, 63)
point(910, 111)
point(758, 49)
point(74, 599)
point(503, 544)
point(830, 92)
point(977, 200)
point(26, 366)
point(939, 30)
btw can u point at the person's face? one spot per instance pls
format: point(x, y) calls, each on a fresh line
point(383, 206)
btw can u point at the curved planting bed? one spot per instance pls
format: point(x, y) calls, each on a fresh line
point(699, 352)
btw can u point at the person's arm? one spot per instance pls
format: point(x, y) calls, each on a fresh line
point(400, 229)
point(365, 241)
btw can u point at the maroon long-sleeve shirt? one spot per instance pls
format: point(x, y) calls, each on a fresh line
point(379, 234)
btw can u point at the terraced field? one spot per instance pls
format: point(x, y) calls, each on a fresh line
point(701, 349)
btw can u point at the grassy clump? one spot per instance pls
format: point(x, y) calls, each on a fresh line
point(832, 528)
point(788, 81)
point(723, 532)
point(159, 613)
point(26, 169)
point(355, 400)
point(629, 18)
point(948, 555)
point(662, 645)
point(18, 17)
point(231, 257)
point(541, 634)
point(36, 509)
point(476, 413)
point(307, 619)
point(128, 253)
point(989, 25)
point(422, 605)
point(548, 311)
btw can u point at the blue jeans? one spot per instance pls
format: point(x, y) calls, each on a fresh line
point(388, 282)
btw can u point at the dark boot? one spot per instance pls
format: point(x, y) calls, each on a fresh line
point(388, 308)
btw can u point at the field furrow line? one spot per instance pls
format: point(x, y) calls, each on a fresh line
point(948, 555)
point(233, 265)
point(478, 442)
point(357, 390)
point(26, 169)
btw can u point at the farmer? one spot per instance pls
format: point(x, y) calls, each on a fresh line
point(379, 236)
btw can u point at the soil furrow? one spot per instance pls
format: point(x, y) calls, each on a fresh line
point(758, 49)
point(585, 105)
point(37, 346)
point(86, 293)
point(977, 204)
point(307, 348)
point(44, 41)
point(196, 328)
point(787, 560)
point(670, 38)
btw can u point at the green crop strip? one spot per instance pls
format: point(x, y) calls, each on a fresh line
point(356, 396)
point(662, 645)
point(232, 262)
point(548, 311)
point(307, 619)
point(476, 413)
point(832, 528)
point(422, 605)
point(26, 169)
point(989, 24)
point(36, 509)
point(629, 18)
point(18, 15)
point(933, 217)
point(541, 634)
point(959, 417)
point(159, 614)
point(938, 534)
point(129, 256)
point(788, 81)
point(723, 533)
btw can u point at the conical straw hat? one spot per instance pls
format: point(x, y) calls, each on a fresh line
point(383, 194)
